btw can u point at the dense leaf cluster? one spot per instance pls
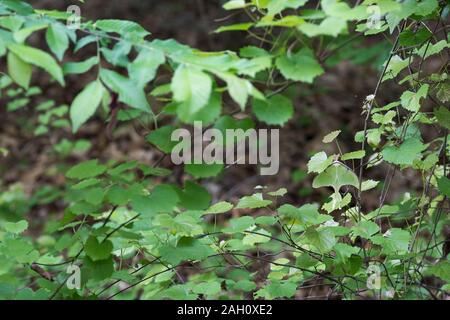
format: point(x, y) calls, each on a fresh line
point(133, 234)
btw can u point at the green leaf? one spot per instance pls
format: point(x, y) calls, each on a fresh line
point(307, 214)
point(128, 29)
point(16, 227)
point(12, 22)
point(393, 241)
point(410, 38)
point(443, 117)
point(96, 250)
point(251, 239)
point(336, 176)
point(194, 197)
point(444, 186)
point(353, 155)
point(144, 67)
point(344, 251)
point(187, 249)
point(427, 50)
point(97, 270)
point(300, 66)
point(251, 67)
point(304, 260)
point(404, 154)
point(245, 285)
point(235, 27)
point(330, 26)
point(319, 162)
point(192, 87)
point(440, 270)
point(19, 250)
point(276, 110)
point(204, 170)
point(161, 138)
point(288, 21)
point(277, 289)
point(86, 184)
point(396, 64)
point(94, 196)
point(118, 55)
point(278, 193)
point(38, 58)
point(275, 7)
point(253, 52)
point(129, 92)
point(234, 4)
point(118, 196)
point(331, 136)
point(323, 239)
point(123, 167)
point(87, 169)
point(206, 115)
point(238, 225)
point(20, 7)
point(411, 100)
point(220, 207)
point(369, 184)
point(83, 42)
point(426, 7)
point(337, 202)
point(85, 104)
point(163, 199)
point(22, 35)
point(80, 67)
point(365, 229)
point(19, 70)
point(253, 202)
point(209, 288)
point(343, 10)
point(238, 89)
point(157, 172)
point(57, 39)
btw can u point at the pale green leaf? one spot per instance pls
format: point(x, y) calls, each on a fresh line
point(85, 104)
point(220, 207)
point(128, 90)
point(87, 169)
point(19, 70)
point(331, 136)
point(253, 202)
point(57, 39)
point(38, 58)
point(191, 87)
point(411, 100)
point(16, 227)
point(144, 67)
point(353, 155)
point(319, 162)
point(80, 67)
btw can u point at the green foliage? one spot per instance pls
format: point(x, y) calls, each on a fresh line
point(132, 228)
